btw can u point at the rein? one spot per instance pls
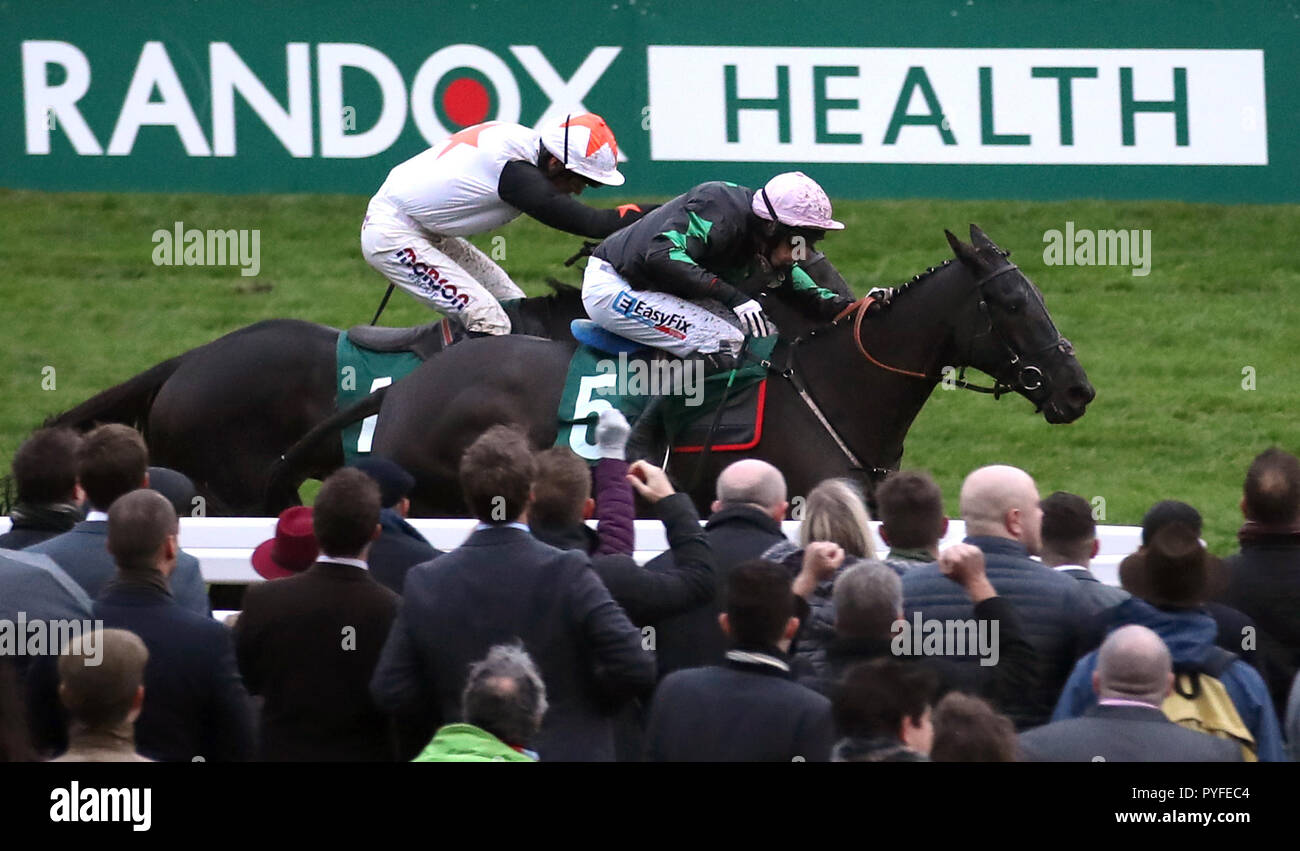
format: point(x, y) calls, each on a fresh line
point(858, 311)
point(875, 474)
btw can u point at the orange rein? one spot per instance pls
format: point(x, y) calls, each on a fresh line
point(861, 306)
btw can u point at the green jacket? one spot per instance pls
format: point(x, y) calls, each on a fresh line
point(467, 743)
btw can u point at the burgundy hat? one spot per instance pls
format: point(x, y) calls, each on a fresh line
point(292, 550)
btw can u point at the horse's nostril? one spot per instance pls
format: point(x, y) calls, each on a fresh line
point(1081, 394)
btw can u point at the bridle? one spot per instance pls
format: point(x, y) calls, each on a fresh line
point(1029, 378)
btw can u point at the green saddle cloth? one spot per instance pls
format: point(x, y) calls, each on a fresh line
point(598, 380)
point(361, 372)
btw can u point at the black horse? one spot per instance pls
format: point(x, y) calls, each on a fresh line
point(840, 400)
point(224, 412)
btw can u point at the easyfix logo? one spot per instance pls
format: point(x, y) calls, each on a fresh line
point(455, 87)
point(673, 324)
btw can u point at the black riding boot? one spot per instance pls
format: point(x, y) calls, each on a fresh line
point(647, 441)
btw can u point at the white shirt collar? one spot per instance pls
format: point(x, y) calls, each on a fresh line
point(757, 659)
point(97, 515)
point(1071, 567)
point(355, 562)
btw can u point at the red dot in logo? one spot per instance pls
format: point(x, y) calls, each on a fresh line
point(466, 102)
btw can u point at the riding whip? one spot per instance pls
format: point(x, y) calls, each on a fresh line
point(383, 303)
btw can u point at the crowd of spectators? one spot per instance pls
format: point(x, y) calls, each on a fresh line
point(541, 637)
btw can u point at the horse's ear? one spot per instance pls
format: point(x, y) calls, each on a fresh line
point(962, 251)
point(982, 242)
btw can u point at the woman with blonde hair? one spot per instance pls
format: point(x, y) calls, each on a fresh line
point(836, 512)
point(835, 534)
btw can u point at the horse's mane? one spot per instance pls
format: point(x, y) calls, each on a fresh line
point(921, 277)
point(916, 280)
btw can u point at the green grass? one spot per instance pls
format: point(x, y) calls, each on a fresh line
point(1166, 352)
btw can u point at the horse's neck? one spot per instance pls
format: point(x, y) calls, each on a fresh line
point(873, 408)
point(917, 328)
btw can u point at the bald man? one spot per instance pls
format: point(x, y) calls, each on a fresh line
point(746, 520)
point(1134, 674)
point(1000, 506)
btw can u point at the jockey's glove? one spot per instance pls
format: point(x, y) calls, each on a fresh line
point(752, 319)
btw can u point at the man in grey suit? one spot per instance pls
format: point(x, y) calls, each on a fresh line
point(1134, 675)
point(34, 588)
point(1070, 544)
point(111, 461)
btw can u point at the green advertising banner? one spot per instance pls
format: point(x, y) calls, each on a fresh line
point(924, 98)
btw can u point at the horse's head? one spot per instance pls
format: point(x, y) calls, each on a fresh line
point(1014, 339)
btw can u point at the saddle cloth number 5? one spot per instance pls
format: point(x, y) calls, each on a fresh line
point(586, 407)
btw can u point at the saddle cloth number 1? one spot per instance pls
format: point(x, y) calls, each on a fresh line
point(368, 424)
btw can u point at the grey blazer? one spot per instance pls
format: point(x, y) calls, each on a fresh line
point(1123, 734)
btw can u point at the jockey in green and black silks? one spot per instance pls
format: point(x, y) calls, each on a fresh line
point(664, 279)
point(684, 277)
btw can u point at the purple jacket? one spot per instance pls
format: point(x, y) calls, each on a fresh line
point(615, 508)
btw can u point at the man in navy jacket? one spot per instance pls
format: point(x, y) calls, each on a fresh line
point(1001, 508)
point(501, 586)
point(748, 709)
point(399, 546)
point(196, 707)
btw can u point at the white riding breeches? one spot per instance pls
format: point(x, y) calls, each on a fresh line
point(446, 273)
point(665, 321)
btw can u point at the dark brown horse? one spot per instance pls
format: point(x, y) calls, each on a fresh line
point(840, 401)
point(224, 412)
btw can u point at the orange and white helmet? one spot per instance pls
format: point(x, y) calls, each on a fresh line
point(795, 200)
point(586, 146)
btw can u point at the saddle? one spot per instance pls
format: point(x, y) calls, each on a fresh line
point(423, 341)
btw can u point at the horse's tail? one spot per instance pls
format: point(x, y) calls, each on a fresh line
point(290, 470)
point(127, 403)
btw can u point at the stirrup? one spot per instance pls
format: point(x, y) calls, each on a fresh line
point(717, 362)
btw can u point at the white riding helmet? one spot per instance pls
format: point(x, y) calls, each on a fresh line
point(585, 145)
point(794, 199)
